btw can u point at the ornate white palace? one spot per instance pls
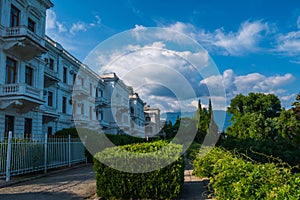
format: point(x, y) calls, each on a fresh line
point(40, 88)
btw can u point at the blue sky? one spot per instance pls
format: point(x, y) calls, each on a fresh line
point(254, 44)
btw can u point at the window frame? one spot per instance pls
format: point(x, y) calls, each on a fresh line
point(64, 105)
point(29, 75)
point(14, 16)
point(50, 99)
point(31, 25)
point(65, 75)
point(11, 71)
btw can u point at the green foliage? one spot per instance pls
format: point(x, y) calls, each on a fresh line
point(260, 125)
point(95, 141)
point(193, 150)
point(165, 183)
point(296, 107)
point(203, 117)
point(266, 104)
point(234, 176)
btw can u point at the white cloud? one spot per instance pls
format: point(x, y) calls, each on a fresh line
point(50, 19)
point(98, 21)
point(78, 26)
point(289, 44)
point(61, 27)
point(53, 25)
point(157, 64)
point(245, 40)
point(254, 82)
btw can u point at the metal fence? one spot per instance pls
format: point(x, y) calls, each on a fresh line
point(21, 156)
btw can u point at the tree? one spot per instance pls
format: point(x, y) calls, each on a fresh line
point(296, 107)
point(202, 116)
point(252, 115)
point(168, 129)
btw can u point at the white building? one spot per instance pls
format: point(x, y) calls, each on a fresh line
point(43, 88)
point(137, 121)
point(22, 41)
point(152, 121)
point(116, 112)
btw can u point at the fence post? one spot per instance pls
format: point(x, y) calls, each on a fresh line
point(45, 152)
point(8, 156)
point(85, 150)
point(69, 142)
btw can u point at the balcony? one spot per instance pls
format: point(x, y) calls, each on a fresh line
point(51, 77)
point(80, 92)
point(81, 119)
point(22, 42)
point(101, 101)
point(49, 114)
point(21, 96)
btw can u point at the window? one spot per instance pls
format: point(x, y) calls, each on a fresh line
point(29, 76)
point(82, 109)
point(14, 16)
point(74, 107)
point(96, 93)
point(91, 89)
point(64, 105)
point(97, 115)
point(49, 132)
point(11, 71)
point(50, 98)
point(101, 115)
point(74, 79)
point(28, 128)
point(31, 25)
point(9, 125)
point(65, 72)
point(91, 113)
point(51, 64)
point(82, 81)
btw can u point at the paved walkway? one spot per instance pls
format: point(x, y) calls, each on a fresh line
point(79, 183)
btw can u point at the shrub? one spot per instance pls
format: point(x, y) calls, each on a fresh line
point(95, 140)
point(206, 159)
point(235, 177)
point(193, 150)
point(164, 183)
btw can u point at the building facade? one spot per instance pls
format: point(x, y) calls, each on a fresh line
point(137, 116)
point(152, 121)
point(43, 88)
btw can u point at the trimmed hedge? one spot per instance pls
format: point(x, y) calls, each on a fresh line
point(165, 183)
point(234, 177)
point(95, 140)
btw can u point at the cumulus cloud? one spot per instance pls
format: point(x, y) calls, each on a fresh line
point(245, 40)
point(254, 82)
point(288, 44)
point(163, 66)
point(54, 25)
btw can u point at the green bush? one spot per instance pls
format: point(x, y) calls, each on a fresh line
point(235, 177)
point(95, 140)
point(164, 183)
point(193, 150)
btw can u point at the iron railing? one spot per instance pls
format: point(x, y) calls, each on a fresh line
point(21, 156)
